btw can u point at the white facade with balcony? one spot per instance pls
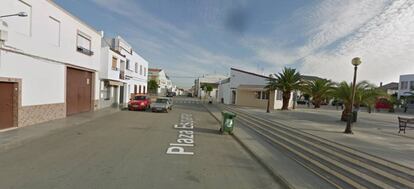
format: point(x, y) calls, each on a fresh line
point(123, 72)
point(36, 54)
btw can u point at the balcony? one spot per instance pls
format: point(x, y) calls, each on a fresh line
point(122, 75)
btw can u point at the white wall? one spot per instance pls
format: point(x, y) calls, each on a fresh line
point(225, 93)
point(46, 88)
point(34, 36)
point(239, 78)
point(48, 32)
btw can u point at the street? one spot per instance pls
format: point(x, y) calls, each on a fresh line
point(128, 150)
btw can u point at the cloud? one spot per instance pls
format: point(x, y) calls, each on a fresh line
point(385, 43)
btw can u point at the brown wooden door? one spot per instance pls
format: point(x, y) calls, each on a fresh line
point(6, 105)
point(78, 91)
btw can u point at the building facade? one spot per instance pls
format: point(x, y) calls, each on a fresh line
point(248, 89)
point(49, 64)
point(123, 73)
point(211, 80)
point(406, 90)
point(164, 83)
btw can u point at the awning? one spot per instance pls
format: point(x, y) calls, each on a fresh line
point(116, 83)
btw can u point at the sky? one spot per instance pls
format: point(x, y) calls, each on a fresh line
point(192, 38)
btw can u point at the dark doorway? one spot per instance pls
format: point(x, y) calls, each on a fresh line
point(6, 105)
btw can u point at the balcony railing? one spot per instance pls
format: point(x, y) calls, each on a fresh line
point(122, 75)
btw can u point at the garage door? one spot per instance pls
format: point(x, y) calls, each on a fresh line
point(78, 91)
point(6, 105)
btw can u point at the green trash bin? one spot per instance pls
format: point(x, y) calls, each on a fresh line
point(228, 122)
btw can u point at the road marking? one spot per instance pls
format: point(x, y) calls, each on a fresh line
point(185, 136)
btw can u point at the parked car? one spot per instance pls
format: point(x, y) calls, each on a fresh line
point(162, 104)
point(337, 102)
point(303, 102)
point(171, 94)
point(139, 103)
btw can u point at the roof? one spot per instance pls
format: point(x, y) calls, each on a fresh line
point(390, 86)
point(310, 77)
point(154, 69)
point(251, 73)
point(252, 87)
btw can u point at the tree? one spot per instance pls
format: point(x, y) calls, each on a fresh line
point(286, 81)
point(365, 93)
point(152, 86)
point(269, 87)
point(319, 90)
point(207, 88)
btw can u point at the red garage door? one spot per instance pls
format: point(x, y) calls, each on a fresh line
point(78, 91)
point(6, 105)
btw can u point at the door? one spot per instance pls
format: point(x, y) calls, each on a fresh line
point(6, 105)
point(121, 94)
point(78, 91)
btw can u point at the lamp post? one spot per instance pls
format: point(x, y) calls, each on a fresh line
point(268, 95)
point(356, 62)
point(20, 14)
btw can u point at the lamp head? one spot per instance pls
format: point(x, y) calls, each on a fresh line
point(22, 14)
point(356, 61)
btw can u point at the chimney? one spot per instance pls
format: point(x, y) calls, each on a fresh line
point(380, 84)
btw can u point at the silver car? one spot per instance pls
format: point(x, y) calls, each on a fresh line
point(162, 104)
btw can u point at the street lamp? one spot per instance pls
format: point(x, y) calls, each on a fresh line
point(20, 14)
point(356, 62)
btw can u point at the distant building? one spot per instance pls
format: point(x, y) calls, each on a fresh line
point(248, 89)
point(390, 88)
point(162, 79)
point(211, 80)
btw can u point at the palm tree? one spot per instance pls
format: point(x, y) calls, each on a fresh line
point(364, 93)
point(319, 90)
point(286, 81)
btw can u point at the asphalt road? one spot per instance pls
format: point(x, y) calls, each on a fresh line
point(128, 150)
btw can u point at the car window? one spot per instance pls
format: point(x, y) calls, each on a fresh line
point(160, 100)
point(139, 98)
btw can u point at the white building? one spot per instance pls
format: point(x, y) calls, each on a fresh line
point(48, 63)
point(211, 80)
point(123, 72)
point(164, 83)
point(406, 89)
point(248, 89)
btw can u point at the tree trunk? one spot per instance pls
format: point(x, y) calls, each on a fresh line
point(286, 98)
point(268, 102)
point(317, 104)
point(344, 116)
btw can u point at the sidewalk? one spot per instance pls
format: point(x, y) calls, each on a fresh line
point(375, 133)
point(282, 167)
point(19, 136)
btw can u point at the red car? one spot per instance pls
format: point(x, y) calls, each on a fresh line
point(139, 103)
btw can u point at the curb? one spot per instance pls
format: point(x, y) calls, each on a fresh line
point(273, 173)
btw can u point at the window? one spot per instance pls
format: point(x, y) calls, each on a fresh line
point(404, 85)
point(140, 69)
point(114, 63)
point(143, 91)
point(145, 71)
point(127, 65)
point(411, 85)
point(262, 95)
point(53, 35)
point(136, 67)
point(83, 44)
point(139, 89)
